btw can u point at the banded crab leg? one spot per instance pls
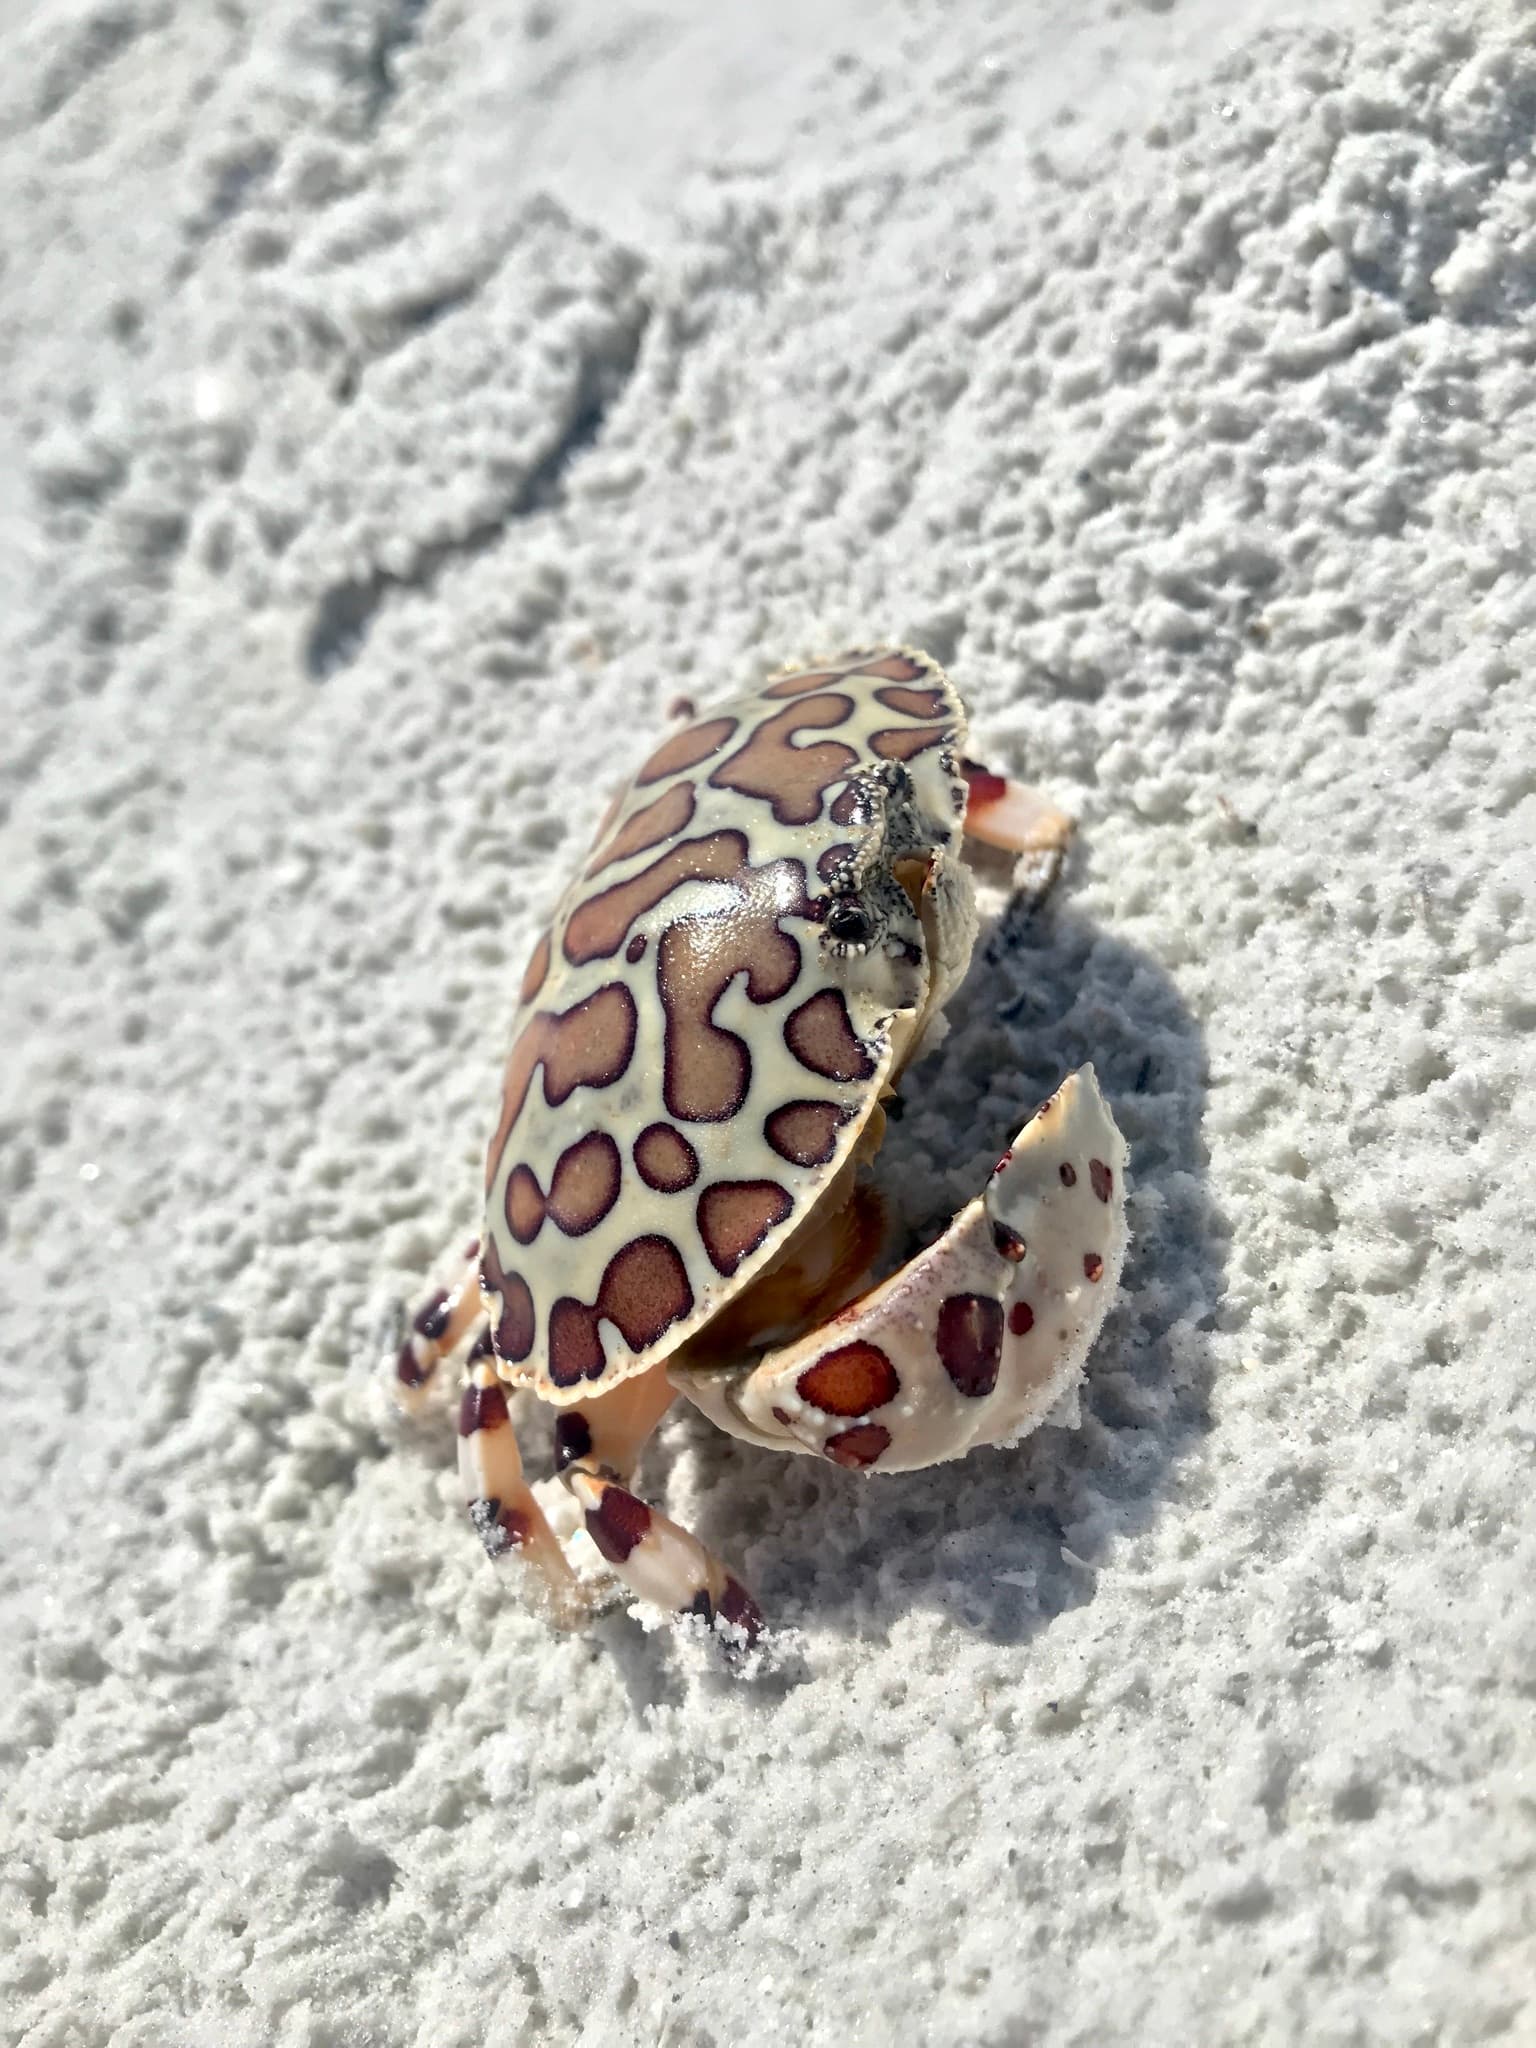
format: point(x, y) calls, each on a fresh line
point(977, 1338)
point(438, 1327)
point(507, 1518)
point(597, 1444)
point(1011, 816)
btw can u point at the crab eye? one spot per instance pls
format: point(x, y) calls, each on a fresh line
point(849, 923)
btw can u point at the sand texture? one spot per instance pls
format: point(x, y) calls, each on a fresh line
point(404, 400)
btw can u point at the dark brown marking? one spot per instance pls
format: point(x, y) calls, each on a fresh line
point(1068, 1174)
point(781, 1416)
point(805, 1133)
point(821, 1037)
point(1009, 1242)
point(905, 742)
point(707, 1070)
point(409, 1370)
point(1006, 1160)
point(513, 1334)
point(849, 808)
point(682, 707)
point(431, 1319)
point(573, 1438)
point(482, 1346)
point(575, 1349)
point(635, 950)
point(537, 969)
point(1102, 1177)
point(587, 1046)
point(618, 1523)
point(858, 1446)
point(740, 1610)
point(657, 821)
point(1021, 1319)
point(914, 703)
point(801, 684)
point(645, 1290)
point(599, 925)
point(735, 1216)
point(686, 749)
point(790, 778)
point(1093, 1265)
point(482, 1408)
point(585, 1183)
point(852, 1380)
point(970, 1342)
point(665, 1160)
point(524, 1204)
point(891, 668)
point(499, 1528)
point(834, 860)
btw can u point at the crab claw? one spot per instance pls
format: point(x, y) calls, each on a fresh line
point(1012, 816)
point(976, 1339)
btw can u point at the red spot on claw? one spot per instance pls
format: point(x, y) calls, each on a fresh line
point(983, 786)
point(1021, 1319)
point(1102, 1177)
point(1006, 1160)
point(482, 1408)
point(1068, 1174)
point(1009, 1242)
point(779, 1415)
point(970, 1342)
point(1093, 1265)
point(618, 1523)
point(858, 1447)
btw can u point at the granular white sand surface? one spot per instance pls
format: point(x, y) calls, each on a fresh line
point(403, 401)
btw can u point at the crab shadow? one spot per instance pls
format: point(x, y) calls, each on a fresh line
point(1003, 1541)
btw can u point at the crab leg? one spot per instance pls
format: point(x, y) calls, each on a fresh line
point(437, 1329)
point(976, 1339)
point(609, 1431)
point(1012, 816)
point(658, 1559)
point(506, 1516)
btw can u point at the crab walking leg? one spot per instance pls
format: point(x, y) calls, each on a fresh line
point(437, 1329)
point(505, 1514)
point(658, 1559)
point(976, 1339)
point(1012, 816)
point(609, 1431)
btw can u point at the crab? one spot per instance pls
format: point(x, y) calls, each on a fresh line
point(678, 1196)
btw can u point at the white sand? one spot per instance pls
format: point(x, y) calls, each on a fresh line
point(402, 402)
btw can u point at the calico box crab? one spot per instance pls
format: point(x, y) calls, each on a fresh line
point(677, 1191)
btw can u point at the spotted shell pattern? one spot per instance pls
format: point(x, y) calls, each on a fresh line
point(697, 1048)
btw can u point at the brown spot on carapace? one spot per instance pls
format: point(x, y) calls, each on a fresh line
point(834, 860)
point(585, 1183)
point(1102, 1177)
point(852, 1380)
point(665, 1160)
point(573, 1438)
point(707, 1070)
point(788, 777)
point(482, 1408)
point(849, 807)
point(1093, 1265)
point(859, 1446)
point(587, 1046)
point(914, 703)
point(905, 742)
point(1021, 1319)
point(970, 1342)
point(635, 950)
point(575, 1349)
point(1009, 1243)
point(512, 1336)
point(599, 925)
point(1068, 1173)
point(821, 1037)
point(804, 682)
point(805, 1133)
point(686, 749)
point(658, 821)
point(891, 668)
point(735, 1216)
point(618, 1523)
point(524, 1204)
point(536, 970)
